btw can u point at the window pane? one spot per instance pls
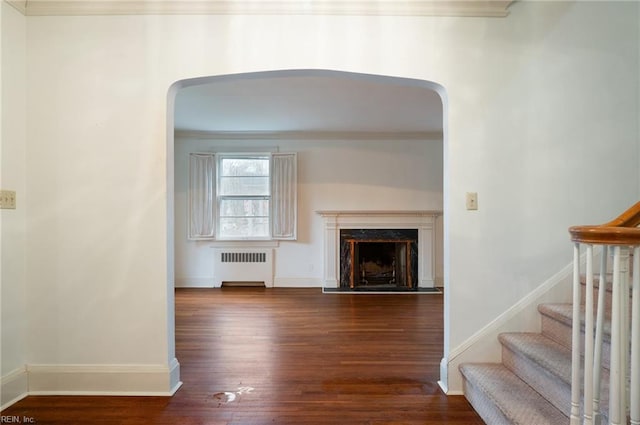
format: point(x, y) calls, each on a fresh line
point(247, 186)
point(244, 227)
point(243, 167)
point(244, 208)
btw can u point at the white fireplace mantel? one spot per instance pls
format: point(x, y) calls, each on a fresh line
point(423, 220)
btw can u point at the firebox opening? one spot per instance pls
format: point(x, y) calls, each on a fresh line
point(379, 259)
point(380, 263)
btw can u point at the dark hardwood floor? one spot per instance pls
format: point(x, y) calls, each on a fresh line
point(252, 356)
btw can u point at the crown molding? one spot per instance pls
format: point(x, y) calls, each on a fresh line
point(462, 8)
point(307, 135)
point(19, 5)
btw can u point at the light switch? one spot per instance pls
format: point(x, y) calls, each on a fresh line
point(7, 199)
point(472, 201)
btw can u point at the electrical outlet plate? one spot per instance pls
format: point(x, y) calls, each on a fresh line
point(7, 199)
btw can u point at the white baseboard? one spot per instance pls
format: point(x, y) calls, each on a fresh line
point(131, 380)
point(174, 376)
point(278, 282)
point(426, 283)
point(194, 282)
point(13, 387)
point(297, 282)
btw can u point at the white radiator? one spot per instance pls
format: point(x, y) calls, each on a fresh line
point(243, 265)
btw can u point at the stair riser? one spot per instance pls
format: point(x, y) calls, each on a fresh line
point(540, 379)
point(483, 405)
point(561, 333)
point(607, 299)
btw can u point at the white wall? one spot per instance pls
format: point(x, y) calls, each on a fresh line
point(557, 102)
point(97, 239)
point(542, 114)
point(12, 222)
point(333, 174)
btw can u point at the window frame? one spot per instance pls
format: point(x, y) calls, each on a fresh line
point(219, 198)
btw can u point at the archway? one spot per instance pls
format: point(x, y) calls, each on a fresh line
point(370, 96)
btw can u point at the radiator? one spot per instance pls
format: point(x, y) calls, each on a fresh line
point(243, 265)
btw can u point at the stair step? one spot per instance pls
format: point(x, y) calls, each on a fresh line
point(563, 313)
point(542, 363)
point(556, 324)
point(596, 288)
point(500, 397)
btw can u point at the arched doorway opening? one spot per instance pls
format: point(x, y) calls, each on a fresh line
point(388, 122)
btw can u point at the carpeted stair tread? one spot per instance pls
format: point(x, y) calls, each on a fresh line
point(541, 350)
point(515, 402)
point(563, 313)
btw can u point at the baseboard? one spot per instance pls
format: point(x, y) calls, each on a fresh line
point(131, 380)
point(278, 282)
point(174, 376)
point(297, 282)
point(13, 387)
point(483, 346)
point(427, 283)
point(194, 282)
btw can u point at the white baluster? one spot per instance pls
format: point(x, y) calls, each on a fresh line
point(588, 341)
point(635, 341)
point(615, 369)
point(597, 355)
point(624, 332)
point(575, 340)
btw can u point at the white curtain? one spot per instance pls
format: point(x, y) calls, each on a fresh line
point(284, 197)
point(202, 197)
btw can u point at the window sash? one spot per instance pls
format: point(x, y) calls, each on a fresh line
point(235, 185)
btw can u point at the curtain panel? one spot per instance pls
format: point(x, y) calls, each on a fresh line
point(284, 197)
point(202, 196)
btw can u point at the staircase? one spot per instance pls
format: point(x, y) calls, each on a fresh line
point(533, 384)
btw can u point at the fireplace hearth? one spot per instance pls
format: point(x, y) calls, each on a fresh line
point(379, 259)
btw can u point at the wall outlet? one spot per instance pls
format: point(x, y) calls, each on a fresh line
point(472, 201)
point(7, 199)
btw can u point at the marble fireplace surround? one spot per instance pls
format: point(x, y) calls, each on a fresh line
point(423, 221)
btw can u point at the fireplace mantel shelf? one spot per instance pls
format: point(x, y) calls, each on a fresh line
point(405, 213)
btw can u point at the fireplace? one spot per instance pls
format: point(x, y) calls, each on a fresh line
point(379, 259)
point(372, 227)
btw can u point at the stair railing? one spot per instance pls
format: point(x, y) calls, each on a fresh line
point(618, 238)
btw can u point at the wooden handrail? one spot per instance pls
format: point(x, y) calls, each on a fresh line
point(623, 230)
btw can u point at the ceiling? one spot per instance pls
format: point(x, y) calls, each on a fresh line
point(309, 102)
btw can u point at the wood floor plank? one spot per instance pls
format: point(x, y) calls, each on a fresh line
point(288, 356)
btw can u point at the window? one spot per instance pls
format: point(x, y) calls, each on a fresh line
point(242, 196)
